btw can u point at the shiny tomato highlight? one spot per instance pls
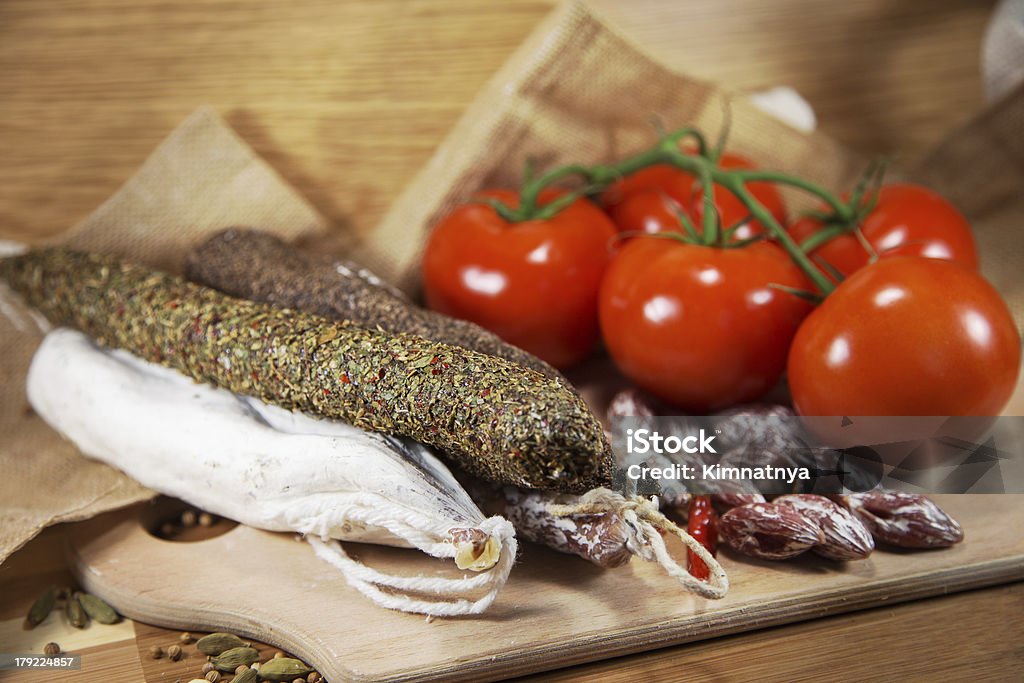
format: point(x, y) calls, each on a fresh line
point(701, 327)
point(908, 220)
point(534, 283)
point(907, 336)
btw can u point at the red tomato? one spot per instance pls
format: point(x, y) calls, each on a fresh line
point(731, 210)
point(697, 326)
point(908, 220)
point(650, 200)
point(907, 336)
point(533, 283)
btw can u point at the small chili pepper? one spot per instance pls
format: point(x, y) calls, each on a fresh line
point(702, 524)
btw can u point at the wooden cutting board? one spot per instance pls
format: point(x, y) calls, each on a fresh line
point(555, 611)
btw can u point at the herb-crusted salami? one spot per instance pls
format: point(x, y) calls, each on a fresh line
point(494, 418)
point(255, 265)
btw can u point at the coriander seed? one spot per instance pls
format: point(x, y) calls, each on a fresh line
point(51, 649)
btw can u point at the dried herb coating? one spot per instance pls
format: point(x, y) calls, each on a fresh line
point(255, 265)
point(496, 419)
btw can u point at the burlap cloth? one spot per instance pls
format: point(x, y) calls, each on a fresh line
point(574, 91)
point(202, 178)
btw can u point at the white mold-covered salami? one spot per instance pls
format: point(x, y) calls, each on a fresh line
point(272, 469)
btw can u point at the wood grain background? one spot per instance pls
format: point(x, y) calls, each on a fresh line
point(347, 99)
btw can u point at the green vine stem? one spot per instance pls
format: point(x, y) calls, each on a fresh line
point(703, 166)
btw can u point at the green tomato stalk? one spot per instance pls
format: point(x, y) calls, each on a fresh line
point(843, 217)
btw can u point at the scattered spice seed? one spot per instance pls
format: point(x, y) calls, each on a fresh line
point(188, 519)
point(497, 419)
point(284, 669)
point(174, 653)
point(216, 643)
point(205, 519)
point(156, 652)
point(314, 677)
point(76, 613)
point(278, 654)
point(208, 667)
point(186, 637)
point(97, 609)
point(213, 676)
point(41, 608)
point(229, 660)
point(51, 649)
point(167, 530)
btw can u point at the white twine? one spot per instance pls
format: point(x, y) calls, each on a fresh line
point(455, 594)
point(644, 521)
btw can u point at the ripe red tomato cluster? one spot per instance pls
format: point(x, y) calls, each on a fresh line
point(912, 329)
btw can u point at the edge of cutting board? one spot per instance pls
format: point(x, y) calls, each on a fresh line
point(556, 610)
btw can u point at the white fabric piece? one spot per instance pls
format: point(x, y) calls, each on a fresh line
point(787, 105)
point(266, 467)
point(1002, 50)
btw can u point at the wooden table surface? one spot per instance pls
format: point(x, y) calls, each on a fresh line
point(347, 99)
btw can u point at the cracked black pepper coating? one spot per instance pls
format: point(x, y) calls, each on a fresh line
point(255, 265)
point(496, 419)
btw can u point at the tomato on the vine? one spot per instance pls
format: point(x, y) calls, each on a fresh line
point(534, 283)
point(701, 327)
point(650, 200)
point(907, 336)
point(907, 220)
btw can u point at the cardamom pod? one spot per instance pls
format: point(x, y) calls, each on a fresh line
point(229, 660)
point(97, 609)
point(284, 669)
point(41, 608)
point(76, 613)
point(216, 643)
point(247, 676)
